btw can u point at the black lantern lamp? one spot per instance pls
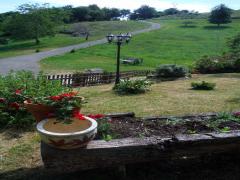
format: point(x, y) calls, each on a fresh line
point(119, 40)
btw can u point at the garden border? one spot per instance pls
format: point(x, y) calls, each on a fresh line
point(119, 152)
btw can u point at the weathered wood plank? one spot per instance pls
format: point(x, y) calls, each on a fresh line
point(100, 153)
point(124, 114)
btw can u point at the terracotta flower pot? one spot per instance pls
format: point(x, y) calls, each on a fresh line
point(39, 111)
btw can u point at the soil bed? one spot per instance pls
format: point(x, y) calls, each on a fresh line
point(67, 126)
point(125, 127)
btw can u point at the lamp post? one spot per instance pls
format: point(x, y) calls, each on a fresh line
point(118, 40)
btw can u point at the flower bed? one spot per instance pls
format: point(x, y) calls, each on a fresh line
point(149, 139)
point(125, 127)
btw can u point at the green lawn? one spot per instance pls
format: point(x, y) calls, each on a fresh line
point(168, 98)
point(98, 30)
point(170, 44)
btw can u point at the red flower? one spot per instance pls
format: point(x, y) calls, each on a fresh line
point(56, 98)
point(2, 100)
point(96, 116)
point(15, 105)
point(71, 94)
point(18, 91)
point(78, 115)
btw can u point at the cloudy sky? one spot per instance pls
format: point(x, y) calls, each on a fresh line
point(197, 5)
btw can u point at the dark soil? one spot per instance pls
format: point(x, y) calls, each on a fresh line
point(169, 127)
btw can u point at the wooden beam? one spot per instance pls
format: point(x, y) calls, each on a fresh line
point(119, 152)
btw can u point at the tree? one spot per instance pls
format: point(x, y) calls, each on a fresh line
point(171, 11)
point(32, 22)
point(144, 12)
point(125, 12)
point(220, 15)
point(80, 14)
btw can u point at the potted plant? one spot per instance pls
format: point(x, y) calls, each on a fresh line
point(59, 105)
point(60, 123)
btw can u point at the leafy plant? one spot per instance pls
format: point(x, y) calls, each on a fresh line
point(66, 105)
point(221, 118)
point(215, 64)
point(171, 70)
point(132, 86)
point(104, 126)
point(15, 88)
point(203, 85)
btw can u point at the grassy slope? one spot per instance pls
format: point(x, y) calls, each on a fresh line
point(98, 30)
point(171, 44)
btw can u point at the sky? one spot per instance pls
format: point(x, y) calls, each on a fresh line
point(196, 5)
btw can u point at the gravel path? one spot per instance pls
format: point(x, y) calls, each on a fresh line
point(30, 62)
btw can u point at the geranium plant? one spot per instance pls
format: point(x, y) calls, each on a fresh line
point(66, 105)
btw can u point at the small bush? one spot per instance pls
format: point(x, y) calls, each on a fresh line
point(37, 50)
point(3, 41)
point(171, 70)
point(73, 51)
point(217, 64)
point(203, 85)
point(132, 86)
point(237, 64)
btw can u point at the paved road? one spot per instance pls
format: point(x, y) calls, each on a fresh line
point(30, 62)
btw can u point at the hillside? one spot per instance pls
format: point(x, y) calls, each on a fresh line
point(236, 14)
point(98, 30)
point(173, 43)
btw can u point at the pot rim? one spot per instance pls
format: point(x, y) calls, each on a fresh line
point(41, 130)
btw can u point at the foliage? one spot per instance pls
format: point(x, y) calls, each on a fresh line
point(144, 12)
point(220, 15)
point(217, 64)
point(132, 86)
point(32, 22)
point(94, 13)
point(104, 126)
point(15, 88)
point(217, 122)
point(234, 45)
point(171, 70)
point(203, 85)
point(171, 11)
point(66, 105)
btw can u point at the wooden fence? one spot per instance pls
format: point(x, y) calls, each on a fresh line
point(91, 79)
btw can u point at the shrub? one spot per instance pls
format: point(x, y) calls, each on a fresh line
point(132, 86)
point(3, 41)
point(203, 85)
point(73, 51)
point(171, 70)
point(37, 50)
point(237, 64)
point(217, 64)
point(15, 88)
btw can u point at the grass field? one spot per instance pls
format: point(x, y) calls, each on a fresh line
point(173, 43)
point(168, 98)
point(20, 151)
point(97, 30)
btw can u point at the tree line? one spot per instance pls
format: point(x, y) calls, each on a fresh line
point(32, 21)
